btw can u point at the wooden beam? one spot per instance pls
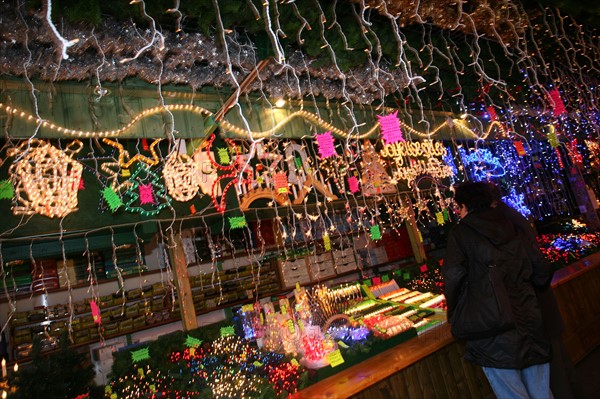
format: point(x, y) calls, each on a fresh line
point(182, 281)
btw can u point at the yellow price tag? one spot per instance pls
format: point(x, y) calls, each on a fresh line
point(335, 358)
point(290, 326)
point(248, 308)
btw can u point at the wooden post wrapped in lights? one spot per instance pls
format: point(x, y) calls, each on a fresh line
point(45, 179)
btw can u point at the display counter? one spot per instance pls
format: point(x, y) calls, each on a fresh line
point(432, 364)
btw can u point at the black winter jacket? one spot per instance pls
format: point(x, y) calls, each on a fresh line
point(471, 242)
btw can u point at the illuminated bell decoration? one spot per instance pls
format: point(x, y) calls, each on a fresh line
point(45, 178)
point(182, 177)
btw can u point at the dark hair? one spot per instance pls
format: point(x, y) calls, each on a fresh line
point(495, 192)
point(474, 195)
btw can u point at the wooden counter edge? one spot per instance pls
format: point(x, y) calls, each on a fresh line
point(359, 377)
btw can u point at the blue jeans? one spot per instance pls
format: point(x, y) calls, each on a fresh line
point(532, 382)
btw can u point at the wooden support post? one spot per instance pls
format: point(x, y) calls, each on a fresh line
point(182, 282)
point(587, 207)
point(414, 234)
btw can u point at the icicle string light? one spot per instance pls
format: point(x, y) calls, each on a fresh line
point(65, 44)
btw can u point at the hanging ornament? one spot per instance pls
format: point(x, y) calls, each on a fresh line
point(326, 145)
point(375, 232)
point(326, 242)
point(237, 222)
point(224, 158)
point(492, 113)
point(181, 177)
point(353, 184)
point(558, 107)
point(112, 198)
point(440, 218)
point(281, 183)
point(552, 136)
point(390, 128)
point(146, 194)
point(6, 189)
point(519, 147)
point(45, 178)
point(140, 354)
point(95, 312)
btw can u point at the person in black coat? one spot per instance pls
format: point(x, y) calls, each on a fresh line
point(515, 358)
point(563, 381)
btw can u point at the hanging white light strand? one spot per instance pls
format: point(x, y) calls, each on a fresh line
point(65, 44)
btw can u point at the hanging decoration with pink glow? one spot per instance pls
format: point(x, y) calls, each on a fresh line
point(353, 184)
point(390, 128)
point(146, 194)
point(95, 312)
point(326, 145)
point(558, 107)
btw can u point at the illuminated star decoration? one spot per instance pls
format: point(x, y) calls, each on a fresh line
point(390, 128)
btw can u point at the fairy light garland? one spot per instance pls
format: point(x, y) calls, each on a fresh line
point(241, 132)
point(104, 133)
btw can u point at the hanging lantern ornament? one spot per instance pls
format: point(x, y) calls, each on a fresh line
point(182, 177)
point(45, 179)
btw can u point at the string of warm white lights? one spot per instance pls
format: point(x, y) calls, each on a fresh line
point(245, 133)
